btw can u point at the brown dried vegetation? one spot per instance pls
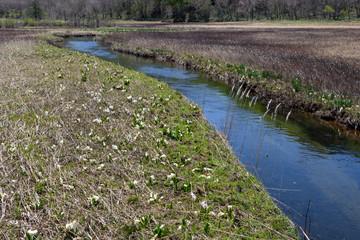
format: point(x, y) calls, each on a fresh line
point(326, 57)
point(7, 35)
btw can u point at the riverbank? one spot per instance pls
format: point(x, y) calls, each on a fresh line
point(331, 97)
point(92, 150)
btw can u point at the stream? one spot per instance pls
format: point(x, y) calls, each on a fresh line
point(297, 160)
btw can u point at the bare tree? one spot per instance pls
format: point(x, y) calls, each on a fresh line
point(90, 12)
point(142, 9)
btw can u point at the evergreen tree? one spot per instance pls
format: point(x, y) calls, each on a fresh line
point(36, 11)
point(180, 8)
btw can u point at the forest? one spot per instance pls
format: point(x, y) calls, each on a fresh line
point(92, 12)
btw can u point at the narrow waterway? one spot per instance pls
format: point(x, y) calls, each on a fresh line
point(298, 160)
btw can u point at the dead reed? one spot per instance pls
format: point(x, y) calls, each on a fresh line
point(327, 58)
point(7, 35)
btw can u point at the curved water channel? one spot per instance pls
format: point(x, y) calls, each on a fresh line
point(298, 160)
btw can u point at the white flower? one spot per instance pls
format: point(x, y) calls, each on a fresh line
point(97, 120)
point(212, 213)
point(220, 214)
point(229, 207)
point(204, 205)
point(171, 176)
point(13, 147)
point(136, 221)
point(95, 198)
point(115, 147)
point(72, 226)
point(152, 177)
point(88, 148)
point(13, 222)
point(2, 194)
point(135, 182)
point(179, 228)
point(163, 156)
point(70, 187)
point(195, 169)
point(101, 166)
point(153, 197)
point(203, 176)
point(32, 232)
point(193, 196)
point(208, 169)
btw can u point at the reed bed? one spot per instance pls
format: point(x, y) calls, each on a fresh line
point(7, 35)
point(326, 57)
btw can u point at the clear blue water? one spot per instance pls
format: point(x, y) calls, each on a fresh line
point(298, 160)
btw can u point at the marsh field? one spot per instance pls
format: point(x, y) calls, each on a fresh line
point(91, 150)
point(326, 56)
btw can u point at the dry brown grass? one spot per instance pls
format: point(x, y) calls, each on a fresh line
point(231, 26)
point(326, 56)
point(7, 35)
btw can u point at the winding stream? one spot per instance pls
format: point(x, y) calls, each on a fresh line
point(298, 160)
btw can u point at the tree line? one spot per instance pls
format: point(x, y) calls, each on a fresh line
point(82, 12)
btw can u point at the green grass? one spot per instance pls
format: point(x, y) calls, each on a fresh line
point(92, 150)
point(121, 30)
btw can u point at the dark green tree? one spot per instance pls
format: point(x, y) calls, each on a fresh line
point(180, 9)
point(36, 10)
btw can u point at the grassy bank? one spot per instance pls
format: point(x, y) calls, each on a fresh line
point(95, 151)
point(298, 66)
